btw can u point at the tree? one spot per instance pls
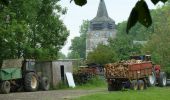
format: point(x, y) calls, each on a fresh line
point(101, 55)
point(124, 47)
point(73, 55)
point(78, 45)
point(61, 55)
point(39, 34)
point(158, 45)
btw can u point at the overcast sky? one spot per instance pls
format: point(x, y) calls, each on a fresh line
point(118, 10)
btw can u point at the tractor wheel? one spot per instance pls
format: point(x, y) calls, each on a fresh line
point(31, 82)
point(110, 87)
point(134, 85)
point(141, 85)
point(162, 81)
point(152, 79)
point(115, 86)
point(44, 84)
point(118, 86)
point(5, 87)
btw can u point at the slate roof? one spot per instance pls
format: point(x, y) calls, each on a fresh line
point(102, 15)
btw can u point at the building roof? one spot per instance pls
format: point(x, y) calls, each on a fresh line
point(102, 11)
point(102, 14)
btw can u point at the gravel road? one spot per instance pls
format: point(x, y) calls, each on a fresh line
point(49, 95)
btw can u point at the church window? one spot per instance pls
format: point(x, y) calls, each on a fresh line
point(97, 26)
point(110, 26)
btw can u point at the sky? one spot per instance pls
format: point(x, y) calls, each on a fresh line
point(118, 10)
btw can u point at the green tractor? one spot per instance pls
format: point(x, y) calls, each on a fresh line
point(19, 74)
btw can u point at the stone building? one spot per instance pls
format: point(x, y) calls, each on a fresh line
point(101, 28)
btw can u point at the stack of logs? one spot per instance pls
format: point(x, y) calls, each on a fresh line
point(83, 76)
point(119, 69)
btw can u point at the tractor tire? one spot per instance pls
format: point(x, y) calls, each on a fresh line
point(5, 87)
point(141, 85)
point(44, 84)
point(152, 79)
point(162, 81)
point(31, 82)
point(110, 87)
point(134, 85)
point(115, 86)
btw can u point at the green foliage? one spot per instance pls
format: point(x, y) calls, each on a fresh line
point(124, 47)
point(80, 2)
point(4, 2)
point(78, 46)
point(156, 1)
point(31, 29)
point(158, 45)
point(101, 55)
point(139, 13)
point(157, 36)
point(61, 55)
point(73, 55)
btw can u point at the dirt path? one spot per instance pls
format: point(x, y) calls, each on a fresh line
point(49, 95)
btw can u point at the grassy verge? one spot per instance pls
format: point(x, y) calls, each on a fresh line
point(154, 93)
point(61, 85)
point(92, 84)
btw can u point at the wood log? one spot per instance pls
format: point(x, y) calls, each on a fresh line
point(119, 69)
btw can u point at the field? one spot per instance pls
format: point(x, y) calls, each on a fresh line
point(152, 93)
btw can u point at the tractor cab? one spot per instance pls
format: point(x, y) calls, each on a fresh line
point(28, 65)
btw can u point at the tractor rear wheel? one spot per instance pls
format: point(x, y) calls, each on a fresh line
point(141, 85)
point(5, 87)
point(134, 85)
point(110, 87)
point(115, 85)
point(162, 81)
point(31, 82)
point(44, 83)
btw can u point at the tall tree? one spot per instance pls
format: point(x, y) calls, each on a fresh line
point(79, 43)
point(159, 43)
point(101, 55)
point(31, 29)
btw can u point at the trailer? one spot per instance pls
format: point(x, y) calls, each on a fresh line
point(134, 74)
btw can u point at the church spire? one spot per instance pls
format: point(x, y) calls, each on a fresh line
point(102, 11)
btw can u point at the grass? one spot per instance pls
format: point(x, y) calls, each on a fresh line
point(92, 84)
point(60, 85)
point(152, 93)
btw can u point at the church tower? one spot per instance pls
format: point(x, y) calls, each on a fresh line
point(101, 28)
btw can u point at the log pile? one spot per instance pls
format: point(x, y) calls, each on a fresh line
point(83, 76)
point(119, 69)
